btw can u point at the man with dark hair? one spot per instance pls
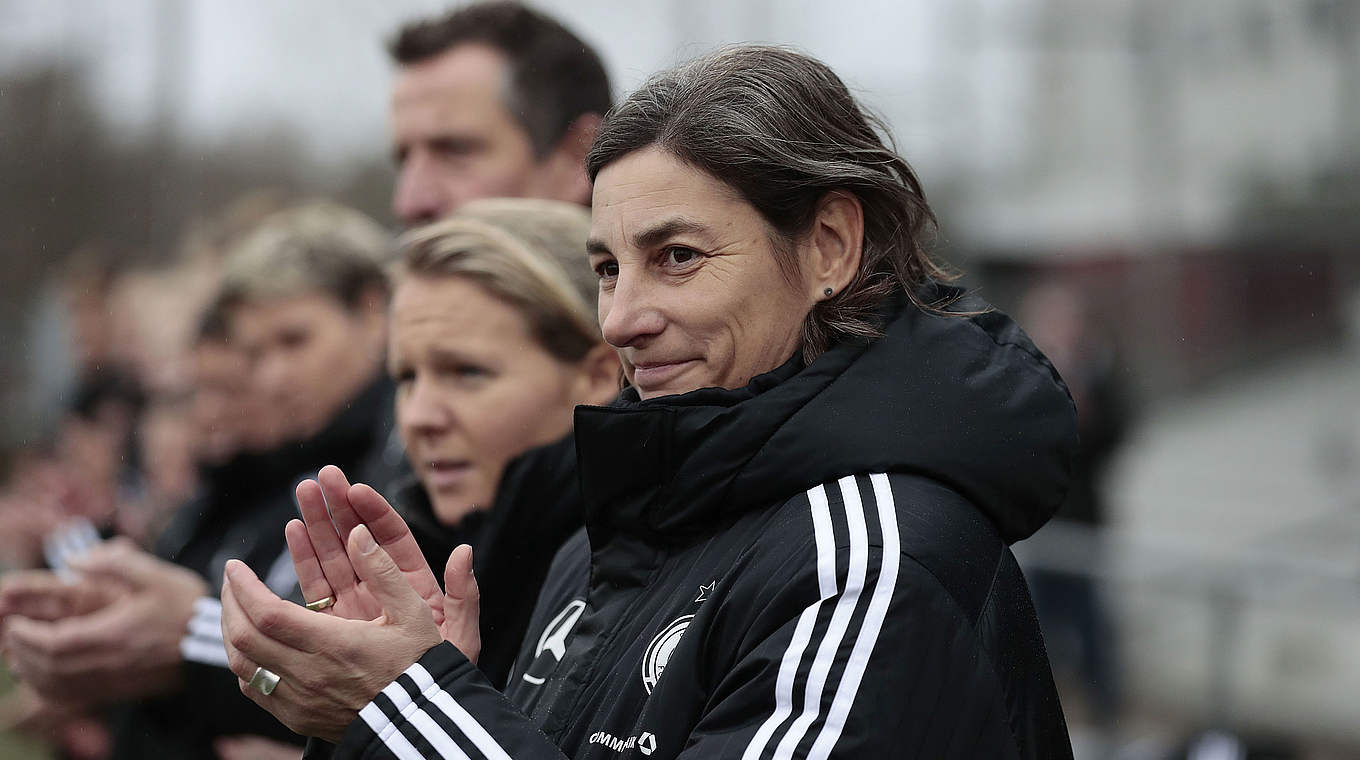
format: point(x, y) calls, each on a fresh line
point(492, 100)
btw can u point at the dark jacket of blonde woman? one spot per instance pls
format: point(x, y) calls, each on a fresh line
point(815, 565)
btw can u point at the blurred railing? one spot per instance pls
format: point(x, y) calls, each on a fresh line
point(1251, 637)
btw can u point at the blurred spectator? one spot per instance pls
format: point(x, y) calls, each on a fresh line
point(59, 500)
point(1074, 618)
point(492, 100)
point(295, 341)
point(225, 411)
point(87, 284)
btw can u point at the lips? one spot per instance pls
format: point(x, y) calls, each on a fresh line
point(446, 474)
point(653, 375)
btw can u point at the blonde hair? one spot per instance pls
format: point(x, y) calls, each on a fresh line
point(314, 246)
point(529, 253)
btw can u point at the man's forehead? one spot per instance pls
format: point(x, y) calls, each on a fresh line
point(467, 67)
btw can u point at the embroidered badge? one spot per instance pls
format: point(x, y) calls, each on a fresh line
point(659, 651)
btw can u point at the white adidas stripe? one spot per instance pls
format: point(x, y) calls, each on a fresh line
point(205, 628)
point(208, 607)
point(802, 632)
point(829, 648)
point(203, 651)
point(873, 623)
point(848, 686)
point(72, 539)
point(388, 734)
point(432, 731)
point(203, 643)
point(485, 743)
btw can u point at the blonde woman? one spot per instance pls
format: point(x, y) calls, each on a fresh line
point(492, 344)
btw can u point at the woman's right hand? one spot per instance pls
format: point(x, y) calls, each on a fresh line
point(328, 667)
point(317, 544)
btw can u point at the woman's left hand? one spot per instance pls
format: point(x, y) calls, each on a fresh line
point(328, 667)
point(331, 508)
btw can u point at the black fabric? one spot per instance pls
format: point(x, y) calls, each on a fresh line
point(817, 564)
point(537, 508)
point(239, 514)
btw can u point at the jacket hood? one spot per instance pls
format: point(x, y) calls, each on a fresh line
point(964, 399)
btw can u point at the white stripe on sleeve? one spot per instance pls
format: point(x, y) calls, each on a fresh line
point(873, 623)
point(484, 741)
point(802, 632)
point(203, 643)
point(203, 651)
point(840, 622)
point(433, 733)
point(205, 629)
point(282, 576)
point(388, 734)
point(208, 607)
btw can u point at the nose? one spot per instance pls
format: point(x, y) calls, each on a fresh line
point(419, 196)
point(423, 409)
point(628, 313)
point(273, 374)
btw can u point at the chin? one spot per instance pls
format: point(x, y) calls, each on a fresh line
point(450, 509)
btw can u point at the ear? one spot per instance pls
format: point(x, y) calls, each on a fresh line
point(598, 382)
point(562, 173)
point(835, 244)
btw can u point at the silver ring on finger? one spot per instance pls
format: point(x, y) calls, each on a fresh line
point(264, 681)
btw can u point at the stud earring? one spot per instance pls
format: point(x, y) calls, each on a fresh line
point(828, 292)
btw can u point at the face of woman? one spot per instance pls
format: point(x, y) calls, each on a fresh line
point(691, 294)
point(474, 389)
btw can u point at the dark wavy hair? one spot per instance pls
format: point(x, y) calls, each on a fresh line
point(783, 130)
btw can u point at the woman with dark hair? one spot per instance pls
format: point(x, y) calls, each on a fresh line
point(798, 514)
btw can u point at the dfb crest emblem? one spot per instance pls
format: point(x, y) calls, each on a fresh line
point(659, 651)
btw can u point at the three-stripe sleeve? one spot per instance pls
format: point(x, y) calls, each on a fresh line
point(456, 715)
point(822, 661)
point(203, 641)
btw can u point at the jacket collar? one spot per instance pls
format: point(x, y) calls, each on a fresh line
point(966, 400)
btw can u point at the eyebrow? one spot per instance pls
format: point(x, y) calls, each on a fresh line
point(654, 235)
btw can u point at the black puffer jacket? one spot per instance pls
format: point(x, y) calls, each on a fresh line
point(815, 565)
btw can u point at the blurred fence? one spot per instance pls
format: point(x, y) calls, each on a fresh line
point(1252, 639)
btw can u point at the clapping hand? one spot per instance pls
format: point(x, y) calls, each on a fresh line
point(114, 636)
point(387, 612)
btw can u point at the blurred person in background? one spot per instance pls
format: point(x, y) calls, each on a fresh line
point(492, 100)
point(1074, 617)
point(64, 497)
point(305, 298)
point(88, 283)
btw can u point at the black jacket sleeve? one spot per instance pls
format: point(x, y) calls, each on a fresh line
point(440, 703)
